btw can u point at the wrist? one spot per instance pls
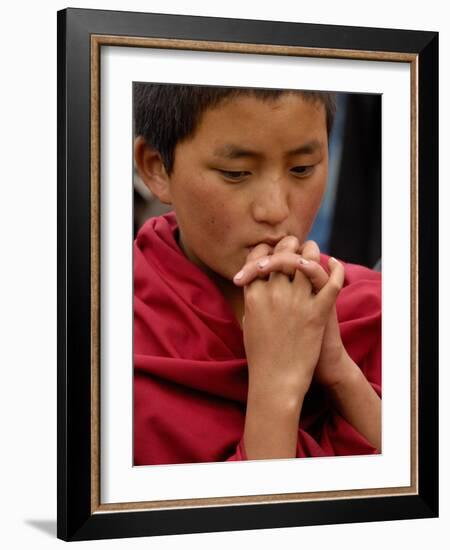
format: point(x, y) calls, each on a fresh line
point(271, 425)
point(274, 404)
point(348, 373)
point(278, 392)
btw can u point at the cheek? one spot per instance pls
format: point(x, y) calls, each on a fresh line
point(207, 211)
point(319, 191)
point(218, 222)
point(306, 207)
point(315, 204)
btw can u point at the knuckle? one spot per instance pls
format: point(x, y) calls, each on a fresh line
point(311, 250)
point(251, 296)
point(285, 258)
point(259, 250)
point(298, 303)
point(311, 243)
point(273, 264)
point(290, 242)
point(275, 295)
point(334, 286)
point(278, 298)
point(312, 266)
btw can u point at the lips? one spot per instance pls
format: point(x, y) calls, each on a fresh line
point(271, 241)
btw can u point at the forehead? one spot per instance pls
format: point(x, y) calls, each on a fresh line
point(290, 120)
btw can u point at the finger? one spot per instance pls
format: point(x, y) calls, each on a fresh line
point(284, 262)
point(310, 250)
point(253, 288)
point(277, 275)
point(246, 287)
point(329, 292)
point(258, 251)
point(316, 274)
point(290, 243)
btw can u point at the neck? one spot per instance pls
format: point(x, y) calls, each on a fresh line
point(233, 295)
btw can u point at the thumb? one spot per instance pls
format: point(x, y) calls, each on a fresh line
point(329, 292)
point(310, 250)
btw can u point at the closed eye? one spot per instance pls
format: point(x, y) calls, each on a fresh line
point(303, 171)
point(234, 175)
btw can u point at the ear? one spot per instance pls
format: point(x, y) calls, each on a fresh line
point(151, 170)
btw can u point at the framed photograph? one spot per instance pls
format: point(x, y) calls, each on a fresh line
point(204, 165)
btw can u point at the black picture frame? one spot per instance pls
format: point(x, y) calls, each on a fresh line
point(80, 517)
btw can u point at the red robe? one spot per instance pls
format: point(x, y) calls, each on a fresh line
point(190, 370)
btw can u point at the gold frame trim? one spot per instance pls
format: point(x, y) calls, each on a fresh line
point(106, 40)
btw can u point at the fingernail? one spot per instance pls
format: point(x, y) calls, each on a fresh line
point(303, 261)
point(334, 259)
point(239, 275)
point(263, 262)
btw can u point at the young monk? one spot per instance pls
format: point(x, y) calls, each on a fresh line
point(249, 343)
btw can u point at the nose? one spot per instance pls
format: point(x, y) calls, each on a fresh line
point(272, 203)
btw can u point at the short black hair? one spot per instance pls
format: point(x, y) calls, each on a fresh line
point(166, 114)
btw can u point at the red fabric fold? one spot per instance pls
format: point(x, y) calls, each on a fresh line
point(190, 370)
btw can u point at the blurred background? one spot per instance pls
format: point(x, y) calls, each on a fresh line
point(348, 224)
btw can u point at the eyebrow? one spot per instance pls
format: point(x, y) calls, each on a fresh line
point(231, 152)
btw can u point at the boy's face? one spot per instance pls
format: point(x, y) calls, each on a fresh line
point(254, 171)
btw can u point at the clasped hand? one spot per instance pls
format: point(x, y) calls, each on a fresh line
point(291, 331)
